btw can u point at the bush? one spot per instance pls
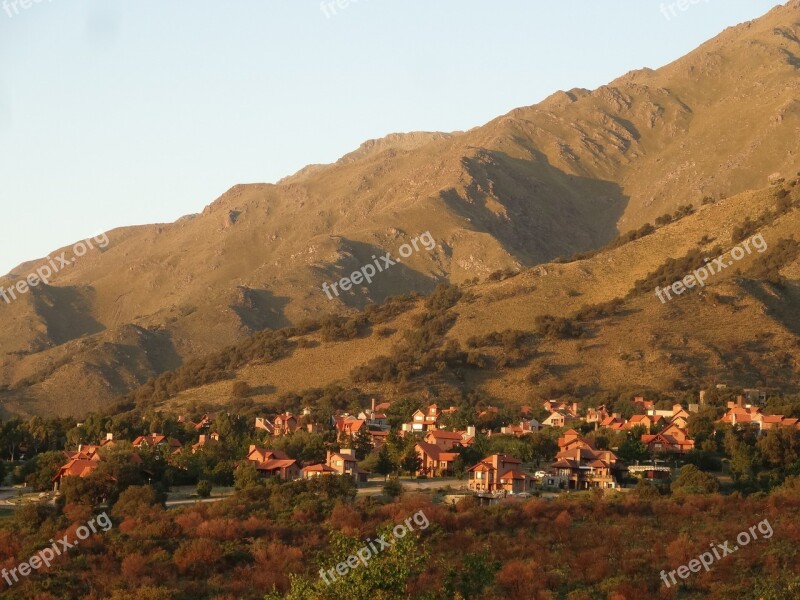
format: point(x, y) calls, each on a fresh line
point(393, 488)
point(204, 489)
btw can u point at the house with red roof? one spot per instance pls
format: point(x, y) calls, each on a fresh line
point(344, 462)
point(445, 440)
point(320, 470)
point(435, 461)
point(499, 473)
point(156, 440)
point(671, 440)
point(284, 424)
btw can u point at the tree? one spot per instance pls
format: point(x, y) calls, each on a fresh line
point(780, 447)
point(692, 480)
point(134, 501)
point(204, 489)
point(393, 488)
point(633, 450)
point(40, 470)
point(362, 443)
point(743, 463)
point(411, 462)
point(385, 466)
point(246, 475)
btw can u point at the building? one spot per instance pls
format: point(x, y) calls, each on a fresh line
point(422, 421)
point(205, 440)
point(559, 419)
point(319, 470)
point(435, 461)
point(525, 427)
point(273, 463)
point(344, 463)
point(156, 440)
point(579, 466)
point(499, 473)
point(446, 440)
point(671, 440)
point(284, 424)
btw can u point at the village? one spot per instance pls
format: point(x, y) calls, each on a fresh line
point(575, 450)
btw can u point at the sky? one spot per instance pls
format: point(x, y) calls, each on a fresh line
point(116, 113)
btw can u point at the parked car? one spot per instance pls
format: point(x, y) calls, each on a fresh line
point(540, 474)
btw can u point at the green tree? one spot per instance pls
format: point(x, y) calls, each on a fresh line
point(362, 443)
point(384, 466)
point(393, 488)
point(246, 475)
point(692, 480)
point(411, 462)
point(633, 450)
point(204, 488)
point(384, 577)
point(40, 470)
point(744, 463)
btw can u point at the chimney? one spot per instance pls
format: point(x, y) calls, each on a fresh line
point(203, 439)
point(471, 430)
point(373, 405)
point(575, 407)
point(739, 400)
point(109, 437)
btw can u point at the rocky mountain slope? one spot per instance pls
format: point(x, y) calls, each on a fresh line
point(564, 176)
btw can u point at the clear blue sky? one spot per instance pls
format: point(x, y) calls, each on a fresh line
point(127, 112)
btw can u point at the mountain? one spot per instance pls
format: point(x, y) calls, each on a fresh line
point(564, 176)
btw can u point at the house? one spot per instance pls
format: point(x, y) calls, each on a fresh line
point(205, 440)
point(435, 461)
point(499, 473)
point(572, 439)
point(83, 463)
point(645, 404)
point(596, 415)
point(751, 416)
point(422, 421)
point(525, 427)
point(259, 455)
point(344, 463)
point(579, 466)
point(672, 439)
point(284, 424)
point(156, 440)
point(445, 440)
point(349, 426)
point(562, 407)
point(319, 470)
point(614, 422)
point(204, 423)
point(375, 419)
point(378, 438)
point(640, 421)
point(558, 419)
point(286, 469)
point(264, 424)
